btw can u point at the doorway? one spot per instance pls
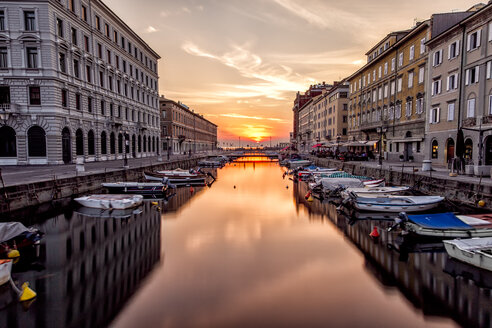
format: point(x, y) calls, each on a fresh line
point(66, 146)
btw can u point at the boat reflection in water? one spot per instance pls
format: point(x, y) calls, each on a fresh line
point(88, 268)
point(421, 271)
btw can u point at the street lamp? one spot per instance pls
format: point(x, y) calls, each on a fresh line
point(125, 162)
point(381, 130)
point(168, 138)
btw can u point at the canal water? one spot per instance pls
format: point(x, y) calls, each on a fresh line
point(249, 251)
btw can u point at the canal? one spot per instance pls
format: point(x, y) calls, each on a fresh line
point(248, 251)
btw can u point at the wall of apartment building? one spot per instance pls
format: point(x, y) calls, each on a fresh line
point(184, 130)
point(443, 96)
point(130, 101)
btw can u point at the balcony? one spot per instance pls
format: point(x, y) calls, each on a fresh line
point(8, 108)
point(487, 119)
point(141, 126)
point(181, 138)
point(471, 121)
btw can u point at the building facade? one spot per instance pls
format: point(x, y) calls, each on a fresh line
point(183, 130)
point(461, 89)
point(75, 83)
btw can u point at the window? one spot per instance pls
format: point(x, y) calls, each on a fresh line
point(452, 82)
point(59, 27)
point(400, 60)
point(421, 74)
point(64, 98)
point(385, 68)
point(437, 58)
point(99, 50)
point(101, 79)
point(454, 49)
point(386, 90)
point(36, 140)
point(398, 111)
point(88, 74)
point(2, 20)
point(422, 46)
point(32, 57)
point(451, 111)
point(3, 57)
point(488, 72)
point(435, 149)
point(399, 84)
point(115, 36)
point(470, 108)
point(71, 5)
point(34, 95)
point(380, 72)
point(393, 61)
point(61, 61)
point(76, 68)
point(436, 87)
point(29, 21)
point(473, 40)
point(78, 104)
point(74, 36)
point(103, 108)
point(490, 104)
point(435, 115)
point(86, 43)
point(471, 75)
point(412, 53)
point(84, 13)
point(419, 105)
point(106, 29)
point(392, 88)
point(98, 23)
point(410, 79)
point(108, 56)
point(123, 42)
point(408, 108)
point(89, 104)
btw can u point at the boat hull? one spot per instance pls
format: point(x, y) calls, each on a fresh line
point(145, 189)
point(110, 201)
point(5, 269)
point(410, 208)
point(197, 180)
point(475, 258)
point(447, 233)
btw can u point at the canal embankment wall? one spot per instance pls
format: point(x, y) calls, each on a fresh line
point(460, 189)
point(22, 195)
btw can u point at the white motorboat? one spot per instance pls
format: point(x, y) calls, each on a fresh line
point(298, 162)
point(178, 173)
point(396, 204)
point(374, 192)
point(5, 269)
point(110, 201)
point(474, 251)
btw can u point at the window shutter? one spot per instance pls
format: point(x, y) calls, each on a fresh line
point(431, 114)
point(438, 118)
point(468, 43)
point(488, 69)
point(479, 33)
point(477, 72)
point(449, 52)
point(434, 59)
point(440, 56)
point(467, 77)
point(440, 86)
point(448, 86)
point(457, 47)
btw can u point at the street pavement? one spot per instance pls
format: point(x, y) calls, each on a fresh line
point(18, 175)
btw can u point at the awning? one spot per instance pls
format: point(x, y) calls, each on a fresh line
point(369, 143)
point(317, 145)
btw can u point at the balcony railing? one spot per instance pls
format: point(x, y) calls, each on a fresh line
point(8, 108)
point(487, 119)
point(471, 121)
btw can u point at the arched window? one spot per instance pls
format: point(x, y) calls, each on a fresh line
point(134, 146)
point(8, 144)
point(157, 145)
point(104, 149)
point(144, 144)
point(79, 142)
point(36, 138)
point(468, 149)
point(112, 143)
point(127, 143)
point(139, 143)
point(120, 143)
point(149, 143)
point(153, 144)
point(91, 148)
point(435, 149)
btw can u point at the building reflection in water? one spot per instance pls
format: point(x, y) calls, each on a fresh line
point(91, 268)
point(422, 272)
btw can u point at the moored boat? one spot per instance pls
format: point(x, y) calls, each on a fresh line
point(15, 236)
point(177, 180)
point(374, 191)
point(5, 269)
point(141, 188)
point(474, 251)
point(110, 201)
point(445, 225)
point(396, 203)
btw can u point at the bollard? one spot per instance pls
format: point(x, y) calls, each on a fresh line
point(79, 166)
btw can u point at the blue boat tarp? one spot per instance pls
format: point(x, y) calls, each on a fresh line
point(439, 221)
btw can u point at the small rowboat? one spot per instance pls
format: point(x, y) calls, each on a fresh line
point(474, 251)
point(105, 201)
point(396, 203)
point(374, 191)
point(177, 180)
point(141, 188)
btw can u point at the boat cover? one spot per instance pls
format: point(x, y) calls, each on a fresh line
point(439, 221)
point(9, 230)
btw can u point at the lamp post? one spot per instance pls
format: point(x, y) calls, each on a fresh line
point(168, 138)
point(381, 130)
point(125, 162)
point(338, 143)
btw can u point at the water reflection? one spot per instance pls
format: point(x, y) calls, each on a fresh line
point(88, 268)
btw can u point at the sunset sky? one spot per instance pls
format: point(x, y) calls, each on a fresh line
point(240, 63)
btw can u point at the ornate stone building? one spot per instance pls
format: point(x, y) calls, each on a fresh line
point(75, 82)
point(183, 130)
